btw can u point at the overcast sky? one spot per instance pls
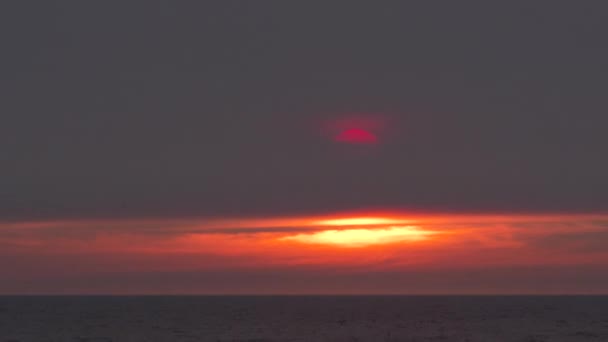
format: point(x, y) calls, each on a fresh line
point(157, 108)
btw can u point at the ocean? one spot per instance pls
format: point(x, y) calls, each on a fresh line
point(303, 318)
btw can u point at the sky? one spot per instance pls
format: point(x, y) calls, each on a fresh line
point(295, 147)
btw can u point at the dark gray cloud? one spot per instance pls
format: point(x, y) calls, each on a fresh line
point(157, 229)
point(116, 109)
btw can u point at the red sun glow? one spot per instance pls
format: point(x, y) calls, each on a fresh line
point(356, 129)
point(356, 136)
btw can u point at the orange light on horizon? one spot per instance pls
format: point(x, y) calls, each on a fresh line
point(362, 221)
point(362, 237)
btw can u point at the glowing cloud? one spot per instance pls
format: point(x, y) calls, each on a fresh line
point(363, 237)
point(361, 221)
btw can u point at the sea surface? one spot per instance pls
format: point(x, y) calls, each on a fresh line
point(303, 318)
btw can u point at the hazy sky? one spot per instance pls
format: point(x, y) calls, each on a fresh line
point(130, 112)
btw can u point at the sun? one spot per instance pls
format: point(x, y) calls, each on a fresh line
point(356, 129)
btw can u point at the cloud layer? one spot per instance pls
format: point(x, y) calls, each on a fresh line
point(507, 253)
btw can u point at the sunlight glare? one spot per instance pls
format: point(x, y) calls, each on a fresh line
point(363, 237)
point(361, 221)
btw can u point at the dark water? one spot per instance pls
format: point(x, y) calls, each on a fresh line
point(304, 318)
